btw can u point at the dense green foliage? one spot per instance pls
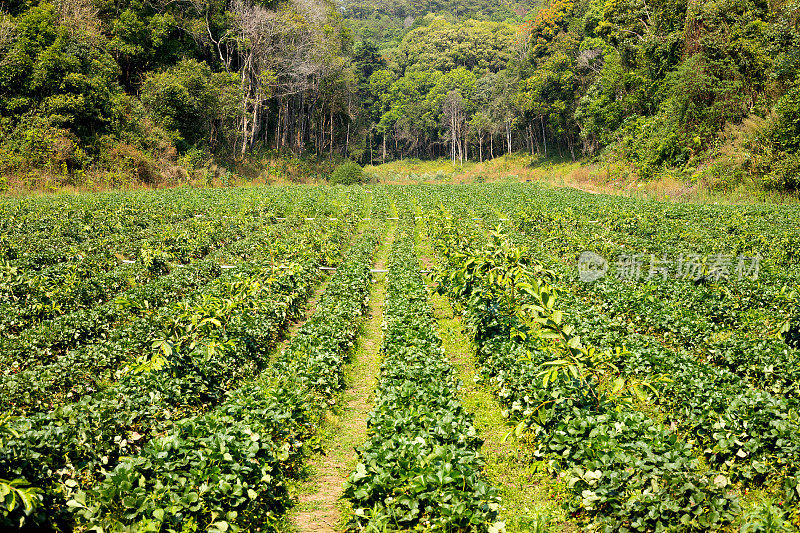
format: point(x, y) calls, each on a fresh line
point(147, 91)
point(581, 421)
point(145, 393)
point(704, 91)
point(154, 90)
point(227, 469)
point(349, 173)
point(96, 384)
point(571, 360)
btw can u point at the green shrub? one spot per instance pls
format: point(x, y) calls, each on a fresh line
point(349, 173)
point(786, 133)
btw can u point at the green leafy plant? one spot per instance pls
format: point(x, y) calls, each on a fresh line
point(420, 468)
point(348, 173)
point(16, 495)
point(766, 517)
point(227, 470)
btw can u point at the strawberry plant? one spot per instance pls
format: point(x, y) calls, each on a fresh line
point(581, 423)
point(421, 466)
point(227, 469)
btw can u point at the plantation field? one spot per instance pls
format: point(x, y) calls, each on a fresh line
point(175, 360)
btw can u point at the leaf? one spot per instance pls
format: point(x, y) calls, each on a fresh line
point(360, 473)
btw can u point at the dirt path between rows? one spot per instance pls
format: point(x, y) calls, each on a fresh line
point(320, 509)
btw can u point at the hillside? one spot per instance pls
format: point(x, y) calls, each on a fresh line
point(132, 92)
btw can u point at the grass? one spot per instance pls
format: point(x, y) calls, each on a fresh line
point(320, 508)
point(531, 498)
point(556, 172)
point(507, 168)
point(269, 169)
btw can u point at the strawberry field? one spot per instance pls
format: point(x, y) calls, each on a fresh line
point(170, 360)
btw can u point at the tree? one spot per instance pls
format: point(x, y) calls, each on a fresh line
point(454, 119)
point(480, 125)
point(478, 46)
point(504, 110)
point(52, 70)
point(188, 100)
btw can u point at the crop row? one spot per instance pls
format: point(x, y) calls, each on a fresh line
point(421, 467)
point(29, 297)
point(38, 232)
point(741, 412)
point(723, 383)
point(191, 353)
point(228, 469)
point(62, 255)
point(74, 361)
point(47, 231)
point(216, 342)
point(564, 223)
point(628, 472)
point(714, 323)
point(51, 339)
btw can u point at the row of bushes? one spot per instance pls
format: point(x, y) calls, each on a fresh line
point(227, 470)
point(420, 469)
point(627, 471)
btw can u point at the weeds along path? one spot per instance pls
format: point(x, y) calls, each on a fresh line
point(530, 499)
point(319, 508)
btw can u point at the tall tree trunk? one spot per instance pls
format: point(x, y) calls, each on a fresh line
point(299, 125)
point(254, 127)
point(466, 146)
point(530, 138)
point(453, 146)
point(320, 134)
point(544, 135)
point(571, 147)
point(247, 86)
point(278, 125)
point(347, 136)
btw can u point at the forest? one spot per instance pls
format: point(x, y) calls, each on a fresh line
point(156, 91)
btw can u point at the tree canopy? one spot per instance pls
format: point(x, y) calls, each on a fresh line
point(656, 85)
